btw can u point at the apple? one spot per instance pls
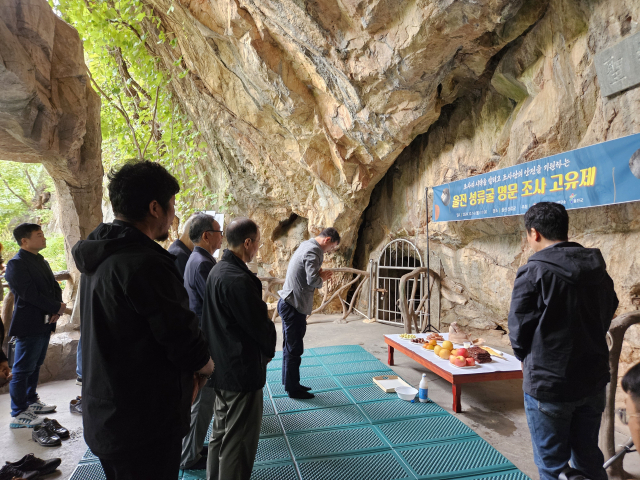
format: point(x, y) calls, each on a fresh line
point(470, 361)
point(459, 361)
point(462, 352)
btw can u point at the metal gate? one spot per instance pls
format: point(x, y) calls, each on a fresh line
point(398, 258)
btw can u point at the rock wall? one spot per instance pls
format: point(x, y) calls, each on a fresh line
point(305, 105)
point(49, 113)
point(543, 98)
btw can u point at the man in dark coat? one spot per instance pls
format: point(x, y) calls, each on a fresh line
point(206, 235)
point(38, 305)
point(181, 248)
point(562, 305)
point(243, 340)
point(142, 348)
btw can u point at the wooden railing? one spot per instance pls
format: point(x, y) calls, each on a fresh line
point(330, 292)
point(410, 312)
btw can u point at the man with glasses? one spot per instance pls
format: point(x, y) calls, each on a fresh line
point(206, 235)
point(304, 277)
point(631, 415)
point(562, 305)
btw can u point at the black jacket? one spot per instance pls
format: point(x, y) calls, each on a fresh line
point(236, 323)
point(141, 343)
point(195, 277)
point(561, 309)
point(36, 294)
point(182, 254)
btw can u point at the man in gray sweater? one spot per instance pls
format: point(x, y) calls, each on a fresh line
point(304, 276)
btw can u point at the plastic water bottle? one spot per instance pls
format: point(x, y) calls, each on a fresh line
point(423, 389)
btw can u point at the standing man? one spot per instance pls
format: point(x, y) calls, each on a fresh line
point(182, 248)
point(561, 309)
point(143, 349)
point(206, 235)
point(243, 340)
point(304, 276)
point(38, 305)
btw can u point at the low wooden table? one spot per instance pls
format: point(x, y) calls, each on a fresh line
point(443, 370)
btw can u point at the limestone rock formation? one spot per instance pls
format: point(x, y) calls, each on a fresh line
point(49, 113)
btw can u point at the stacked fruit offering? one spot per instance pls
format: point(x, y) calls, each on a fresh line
point(459, 357)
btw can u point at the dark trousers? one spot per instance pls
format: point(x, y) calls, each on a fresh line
point(566, 431)
point(201, 415)
point(30, 354)
point(234, 437)
point(294, 326)
point(158, 461)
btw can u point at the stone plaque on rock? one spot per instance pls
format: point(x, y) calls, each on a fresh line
point(618, 67)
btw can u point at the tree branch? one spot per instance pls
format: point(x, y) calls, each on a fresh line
point(18, 196)
point(153, 122)
point(35, 190)
point(122, 112)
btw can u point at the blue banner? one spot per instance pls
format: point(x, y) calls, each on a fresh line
point(601, 174)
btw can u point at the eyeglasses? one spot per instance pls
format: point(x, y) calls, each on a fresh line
point(624, 417)
point(215, 231)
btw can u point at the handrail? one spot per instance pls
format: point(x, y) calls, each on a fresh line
point(410, 313)
point(619, 326)
point(347, 308)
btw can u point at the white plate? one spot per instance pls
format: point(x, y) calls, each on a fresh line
point(467, 366)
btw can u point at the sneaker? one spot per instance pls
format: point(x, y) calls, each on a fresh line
point(32, 463)
point(75, 406)
point(26, 419)
point(40, 407)
point(10, 473)
point(45, 436)
point(79, 381)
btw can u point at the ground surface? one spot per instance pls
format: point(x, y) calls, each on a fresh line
point(494, 410)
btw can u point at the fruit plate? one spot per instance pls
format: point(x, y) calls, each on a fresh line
point(477, 365)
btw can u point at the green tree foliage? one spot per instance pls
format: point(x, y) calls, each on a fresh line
point(140, 116)
point(25, 191)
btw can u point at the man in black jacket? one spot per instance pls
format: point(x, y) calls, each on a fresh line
point(562, 305)
point(141, 343)
point(182, 247)
point(206, 235)
point(38, 305)
point(243, 340)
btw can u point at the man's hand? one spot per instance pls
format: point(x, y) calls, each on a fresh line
point(54, 318)
point(62, 307)
point(200, 378)
point(5, 374)
point(325, 275)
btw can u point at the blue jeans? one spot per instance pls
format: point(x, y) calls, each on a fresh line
point(30, 354)
point(294, 326)
point(79, 359)
point(563, 431)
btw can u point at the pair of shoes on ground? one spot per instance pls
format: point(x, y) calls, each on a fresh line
point(29, 467)
point(75, 406)
point(302, 393)
point(50, 433)
point(30, 417)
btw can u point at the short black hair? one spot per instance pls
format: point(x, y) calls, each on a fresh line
point(24, 230)
point(631, 382)
point(332, 233)
point(136, 185)
point(200, 223)
point(550, 219)
point(239, 230)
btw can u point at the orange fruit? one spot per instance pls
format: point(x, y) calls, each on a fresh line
point(429, 347)
point(433, 342)
point(448, 345)
point(437, 349)
point(444, 353)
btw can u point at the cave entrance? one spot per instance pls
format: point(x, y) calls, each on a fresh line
point(398, 258)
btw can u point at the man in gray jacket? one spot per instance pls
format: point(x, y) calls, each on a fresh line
point(304, 276)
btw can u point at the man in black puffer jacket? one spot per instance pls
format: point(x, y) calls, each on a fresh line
point(236, 322)
point(141, 343)
point(562, 305)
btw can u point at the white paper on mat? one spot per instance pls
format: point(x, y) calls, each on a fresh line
point(496, 365)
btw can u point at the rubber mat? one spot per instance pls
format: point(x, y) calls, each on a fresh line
point(352, 430)
point(317, 384)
